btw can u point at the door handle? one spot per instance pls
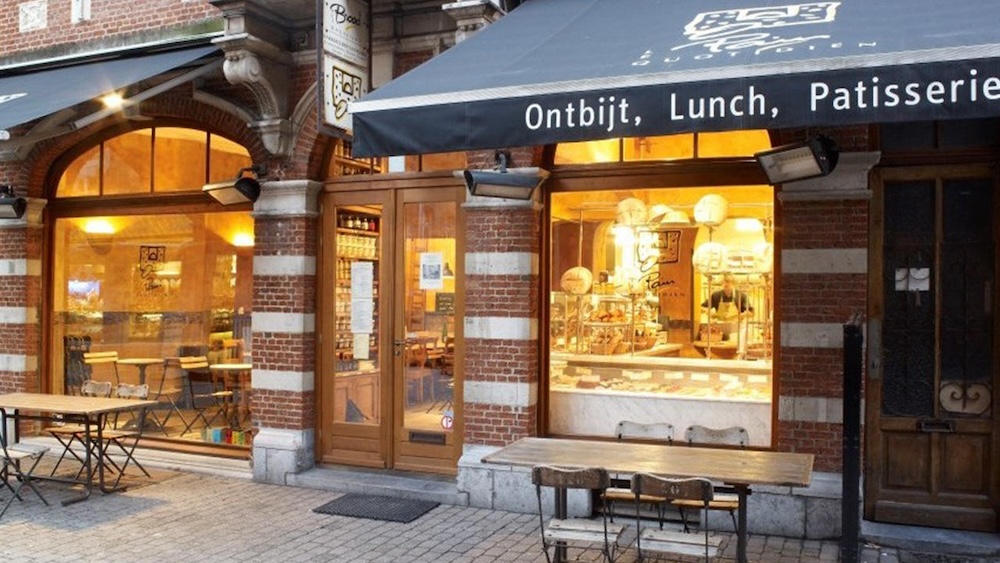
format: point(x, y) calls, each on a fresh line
point(398, 347)
point(939, 426)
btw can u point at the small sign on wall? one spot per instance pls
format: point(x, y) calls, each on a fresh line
point(345, 53)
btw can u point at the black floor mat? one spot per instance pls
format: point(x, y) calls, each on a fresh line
point(375, 507)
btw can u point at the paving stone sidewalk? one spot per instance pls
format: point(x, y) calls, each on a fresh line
point(204, 518)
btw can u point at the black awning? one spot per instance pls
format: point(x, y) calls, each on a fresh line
point(31, 95)
point(572, 70)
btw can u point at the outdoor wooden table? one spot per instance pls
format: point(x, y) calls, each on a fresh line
point(91, 412)
point(740, 469)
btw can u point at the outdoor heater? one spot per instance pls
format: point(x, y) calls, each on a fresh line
point(799, 161)
point(11, 206)
point(242, 189)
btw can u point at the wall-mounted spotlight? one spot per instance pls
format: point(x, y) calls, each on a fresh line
point(11, 206)
point(242, 189)
point(512, 183)
point(799, 161)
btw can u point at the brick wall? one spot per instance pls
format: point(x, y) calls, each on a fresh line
point(109, 18)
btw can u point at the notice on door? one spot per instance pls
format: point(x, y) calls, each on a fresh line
point(431, 270)
point(362, 300)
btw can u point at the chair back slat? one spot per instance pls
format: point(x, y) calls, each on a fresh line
point(130, 391)
point(731, 436)
point(677, 489)
point(570, 477)
point(189, 363)
point(93, 388)
point(657, 431)
point(100, 357)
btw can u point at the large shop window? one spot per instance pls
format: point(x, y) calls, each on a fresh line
point(158, 288)
point(661, 308)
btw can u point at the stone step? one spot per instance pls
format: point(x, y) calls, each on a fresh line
point(932, 545)
point(397, 484)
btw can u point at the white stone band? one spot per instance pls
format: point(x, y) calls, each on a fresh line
point(501, 393)
point(501, 264)
point(501, 328)
point(284, 265)
point(291, 323)
point(812, 335)
point(811, 409)
point(825, 261)
point(293, 381)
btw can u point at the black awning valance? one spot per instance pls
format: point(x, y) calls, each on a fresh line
point(571, 70)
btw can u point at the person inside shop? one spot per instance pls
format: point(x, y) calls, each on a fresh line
point(728, 305)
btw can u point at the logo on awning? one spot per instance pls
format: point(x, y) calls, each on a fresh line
point(10, 97)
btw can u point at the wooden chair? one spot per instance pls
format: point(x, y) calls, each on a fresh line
point(93, 359)
point(659, 432)
point(725, 498)
point(693, 490)
point(207, 391)
point(580, 533)
point(67, 434)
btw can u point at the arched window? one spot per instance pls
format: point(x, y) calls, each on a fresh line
point(136, 274)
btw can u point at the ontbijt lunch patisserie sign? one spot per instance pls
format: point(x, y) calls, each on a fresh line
point(571, 70)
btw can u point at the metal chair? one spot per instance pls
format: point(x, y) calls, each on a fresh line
point(581, 533)
point(66, 434)
point(15, 457)
point(659, 432)
point(120, 437)
point(167, 392)
point(693, 490)
point(725, 498)
point(205, 391)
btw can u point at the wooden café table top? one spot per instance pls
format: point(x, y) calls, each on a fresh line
point(69, 404)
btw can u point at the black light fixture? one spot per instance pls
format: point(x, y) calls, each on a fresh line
point(511, 183)
point(814, 157)
point(11, 206)
point(242, 189)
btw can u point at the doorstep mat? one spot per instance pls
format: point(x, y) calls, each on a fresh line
point(375, 507)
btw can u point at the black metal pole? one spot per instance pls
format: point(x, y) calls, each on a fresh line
point(850, 505)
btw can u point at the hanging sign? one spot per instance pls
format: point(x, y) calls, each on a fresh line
point(346, 56)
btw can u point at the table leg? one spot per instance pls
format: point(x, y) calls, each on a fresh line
point(88, 462)
point(741, 530)
point(560, 509)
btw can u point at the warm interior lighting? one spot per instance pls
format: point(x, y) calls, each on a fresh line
point(799, 161)
point(113, 100)
point(242, 240)
point(98, 227)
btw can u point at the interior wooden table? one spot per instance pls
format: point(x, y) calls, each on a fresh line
point(141, 364)
point(91, 412)
point(241, 383)
point(740, 469)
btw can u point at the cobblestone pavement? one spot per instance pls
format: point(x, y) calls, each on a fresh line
point(194, 517)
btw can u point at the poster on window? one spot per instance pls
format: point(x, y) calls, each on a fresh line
point(431, 270)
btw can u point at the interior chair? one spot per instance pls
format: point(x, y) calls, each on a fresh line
point(444, 380)
point(694, 490)
point(725, 498)
point(232, 351)
point(579, 533)
point(621, 491)
point(125, 438)
point(19, 463)
point(97, 359)
point(67, 434)
point(168, 392)
point(207, 391)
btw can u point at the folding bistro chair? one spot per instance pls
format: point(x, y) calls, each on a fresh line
point(167, 392)
point(120, 437)
point(620, 491)
point(66, 434)
point(15, 458)
point(725, 498)
point(94, 359)
point(205, 391)
point(581, 533)
point(693, 490)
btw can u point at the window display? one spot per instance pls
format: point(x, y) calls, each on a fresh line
point(662, 295)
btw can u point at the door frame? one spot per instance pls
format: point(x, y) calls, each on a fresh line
point(377, 445)
point(873, 457)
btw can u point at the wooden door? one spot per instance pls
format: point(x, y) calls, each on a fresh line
point(428, 328)
point(355, 364)
point(932, 437)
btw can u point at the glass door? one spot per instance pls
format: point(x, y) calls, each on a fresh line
point(355, 360)
point(428, 328)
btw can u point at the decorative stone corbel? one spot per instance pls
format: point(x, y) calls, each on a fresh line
point(266, 70)
point(471, 15)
